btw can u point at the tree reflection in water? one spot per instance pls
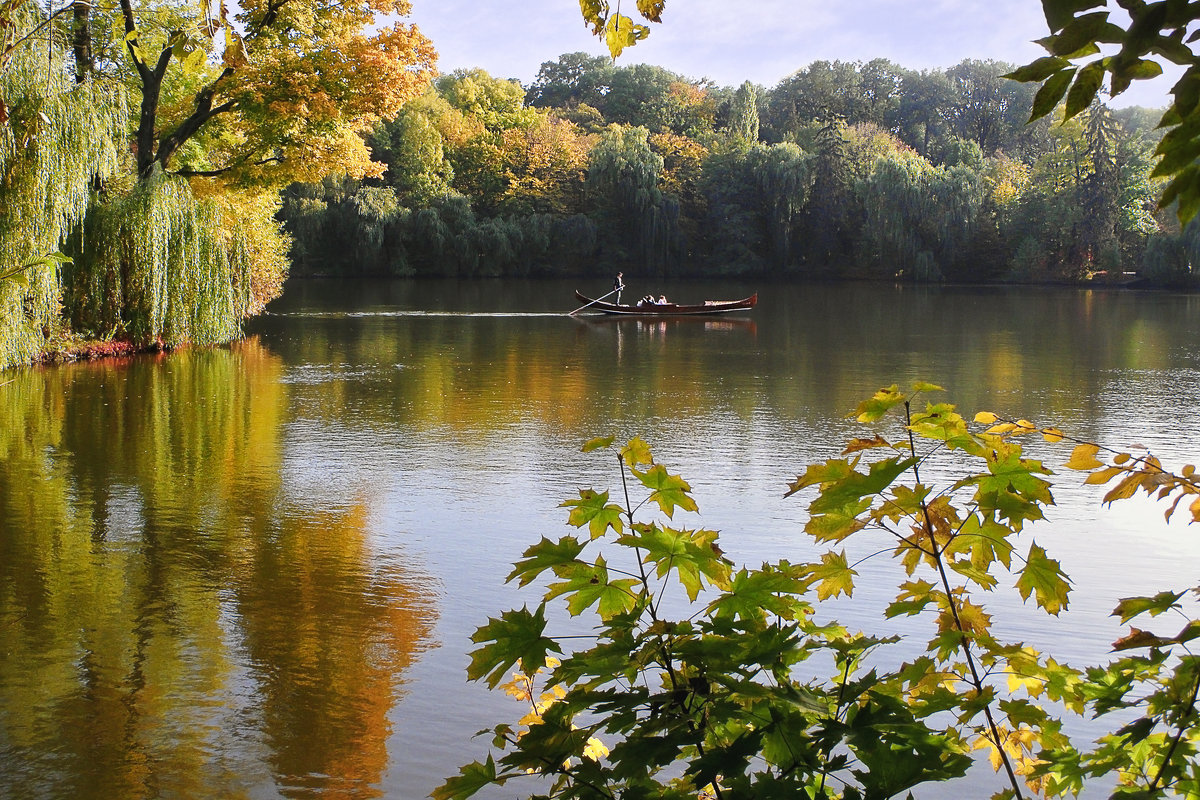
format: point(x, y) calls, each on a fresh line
point(173, 624)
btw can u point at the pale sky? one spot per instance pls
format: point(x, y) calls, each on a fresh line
point(762, 41)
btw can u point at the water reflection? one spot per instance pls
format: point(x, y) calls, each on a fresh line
point(173, 624)
point(217, 569)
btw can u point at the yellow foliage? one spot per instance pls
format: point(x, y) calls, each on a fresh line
point(1008, 180)
point(252, 216)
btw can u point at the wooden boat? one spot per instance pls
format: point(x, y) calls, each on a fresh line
point(669, 309)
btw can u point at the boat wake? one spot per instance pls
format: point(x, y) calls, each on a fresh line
point(359, 314)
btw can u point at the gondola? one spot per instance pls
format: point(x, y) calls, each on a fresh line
point(669, 309)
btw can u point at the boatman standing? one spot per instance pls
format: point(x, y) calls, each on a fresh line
point(618, 285)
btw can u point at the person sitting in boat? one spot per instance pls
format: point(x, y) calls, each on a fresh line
point(647, 300)
point(662, 300)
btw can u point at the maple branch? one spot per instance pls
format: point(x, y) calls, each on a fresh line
point(1183, 728)
point(216, 173)
point(976, 680)
point(204, 111)
point(272, 14)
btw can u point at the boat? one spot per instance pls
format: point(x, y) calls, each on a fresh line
point(645, 309)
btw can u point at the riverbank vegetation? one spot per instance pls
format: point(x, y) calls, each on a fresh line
point(842, 170)
point(690, 686)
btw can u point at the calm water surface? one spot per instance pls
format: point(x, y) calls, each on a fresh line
point(253, 572)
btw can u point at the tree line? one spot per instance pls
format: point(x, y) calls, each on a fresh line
point(842, 170)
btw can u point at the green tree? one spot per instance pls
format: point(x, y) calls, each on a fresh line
point(985, 107)
point(828, 233)
point(743, 113)
point(574, 79)
point(623, 175)
point(413, 149)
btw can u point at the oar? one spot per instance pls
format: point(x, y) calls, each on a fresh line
point(597, 300)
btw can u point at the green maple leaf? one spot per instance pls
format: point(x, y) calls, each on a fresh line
point(987, 542)
point(593, 509)
point(940, 421)
point(599, 443)
point(1130, 607)
point(1043, 578)
point(471, 779)
point(668, 491)
point(692, 554)
point(754, 593)
point(589, 584)
point(914, 597)
point(838, 524)
point(1011, 474)
point(839, 494)
point(515, 636)
point(820, 474)
point(545, 555)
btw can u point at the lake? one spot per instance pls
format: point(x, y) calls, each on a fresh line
point(253, 571)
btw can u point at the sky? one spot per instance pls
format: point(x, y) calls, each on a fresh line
point(763, 41)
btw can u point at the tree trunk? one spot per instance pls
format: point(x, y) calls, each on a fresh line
point(81, 40)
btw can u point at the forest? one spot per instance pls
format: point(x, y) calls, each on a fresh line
point(843, 170)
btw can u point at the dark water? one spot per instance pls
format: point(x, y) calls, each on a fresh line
point(253, 571)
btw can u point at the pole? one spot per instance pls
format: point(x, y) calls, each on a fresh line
point(597, 300)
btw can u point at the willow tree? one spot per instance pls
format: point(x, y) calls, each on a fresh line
point(56, 137)
point(623, 173)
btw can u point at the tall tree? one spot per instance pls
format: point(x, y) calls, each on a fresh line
point(574, 79)
point(743, 113)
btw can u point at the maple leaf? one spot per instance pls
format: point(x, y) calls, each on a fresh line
point(856, 485)
point(879, 404)
point(543, 556)
point(913, 598)
point(515, 636)
point(690, 553)
point(837, 524)
point(598, 443)
point(834, 576)
point(1138, 639)
point(588, 585)
point(855, 445)
point(669, 491)
point(821, 474)
point(751, 594)
point(1043, 578)
point(593, 509)
point(471, 779)
point(636, 453)
point(972, 617)
point(1130, 607)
